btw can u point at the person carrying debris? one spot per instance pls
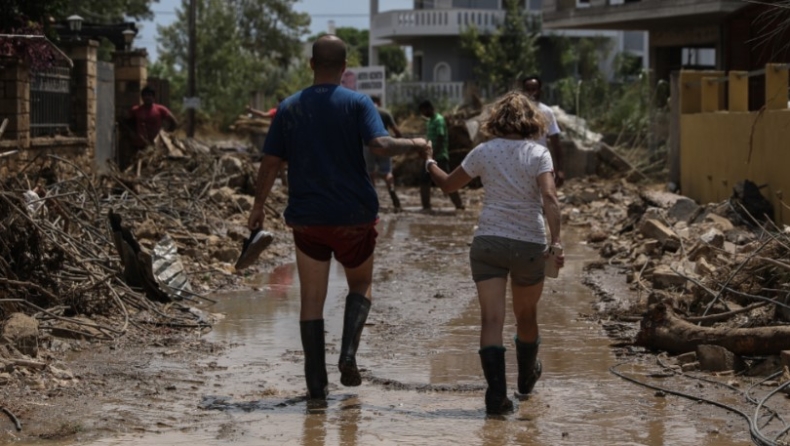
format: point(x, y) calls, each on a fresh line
point(510, 239)
point(332, 205)
point(147, 120)
point(532, 85)
point(270, 113)
point(438, 136)
point(383, 164)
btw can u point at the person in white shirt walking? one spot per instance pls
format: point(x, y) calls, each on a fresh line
point(510, 240)
point(532, 86)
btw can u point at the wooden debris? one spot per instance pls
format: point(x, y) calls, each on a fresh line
point(661, 329)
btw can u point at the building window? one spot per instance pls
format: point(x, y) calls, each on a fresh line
point(582, 3)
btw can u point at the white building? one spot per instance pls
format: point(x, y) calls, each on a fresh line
point(433, 27)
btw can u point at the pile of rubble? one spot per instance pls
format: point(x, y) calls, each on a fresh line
point(712, 274)
point(92, 256)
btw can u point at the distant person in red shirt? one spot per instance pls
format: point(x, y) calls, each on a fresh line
point(148, 118)
point(144, 123)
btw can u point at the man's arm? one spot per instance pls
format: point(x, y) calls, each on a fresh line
point(554, 147)
point(396, 131)
point(172, 121)
point(389, 146)
point(267, 173)
point(559, 159)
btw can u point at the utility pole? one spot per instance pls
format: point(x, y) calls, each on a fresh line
point(191, 90)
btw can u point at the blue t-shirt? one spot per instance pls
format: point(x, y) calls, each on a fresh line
point(320, 132)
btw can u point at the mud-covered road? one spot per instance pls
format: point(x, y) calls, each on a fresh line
point(242, 383)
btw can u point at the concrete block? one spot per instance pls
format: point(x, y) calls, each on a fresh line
point(720, 222)
point(656, 230)
point(739, 236)
point(653, 213)
point(579, 161)
point(687, 358)
point(22, 331)
point(713, 237)
point(684, 209)
point(714, 358)
point(703, 268)
point(665, 278)
point(690, 367)
point(661, 199)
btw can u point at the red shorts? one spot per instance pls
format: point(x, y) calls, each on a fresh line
point(352, 245)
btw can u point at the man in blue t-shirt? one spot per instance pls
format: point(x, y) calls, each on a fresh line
point(332, 205)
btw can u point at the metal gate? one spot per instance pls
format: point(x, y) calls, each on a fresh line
point(106, 139)
point(50, 102)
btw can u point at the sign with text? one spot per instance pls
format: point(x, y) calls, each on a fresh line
point(367, 80)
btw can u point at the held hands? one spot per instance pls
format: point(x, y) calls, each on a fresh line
point(424, 147)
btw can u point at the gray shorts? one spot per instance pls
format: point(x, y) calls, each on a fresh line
point(492, 256)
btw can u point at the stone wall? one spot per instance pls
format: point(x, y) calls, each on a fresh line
point(15, 102)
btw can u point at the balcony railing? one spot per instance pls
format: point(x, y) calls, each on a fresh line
point(433, 22)
point(403, 92)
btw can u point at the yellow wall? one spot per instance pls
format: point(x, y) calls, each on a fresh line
point(714, 155)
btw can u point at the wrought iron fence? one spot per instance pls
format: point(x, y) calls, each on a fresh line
point(50, 102)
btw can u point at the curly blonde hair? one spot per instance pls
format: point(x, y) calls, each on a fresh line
point(516, 114)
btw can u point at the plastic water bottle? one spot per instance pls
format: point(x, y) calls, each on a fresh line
point(551, 261)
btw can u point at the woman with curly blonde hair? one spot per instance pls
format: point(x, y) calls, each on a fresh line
point(518, 177)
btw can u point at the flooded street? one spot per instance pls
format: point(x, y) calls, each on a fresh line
point(423, 384)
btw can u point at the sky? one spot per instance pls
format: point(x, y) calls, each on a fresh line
point(352, 13)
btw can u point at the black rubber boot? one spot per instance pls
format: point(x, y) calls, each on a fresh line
point(314, 358)
point(493, 360)
point(395, 200)
point(425, 196)
point(357, 309)
point(455, 197)
point(529, 366)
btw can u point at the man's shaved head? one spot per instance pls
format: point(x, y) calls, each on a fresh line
point(329, 53)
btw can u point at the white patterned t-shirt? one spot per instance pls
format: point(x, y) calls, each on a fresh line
point(513, 205)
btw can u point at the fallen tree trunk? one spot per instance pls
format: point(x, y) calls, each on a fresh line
point(661, 329)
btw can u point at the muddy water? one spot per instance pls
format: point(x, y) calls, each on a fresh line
point(424, 384)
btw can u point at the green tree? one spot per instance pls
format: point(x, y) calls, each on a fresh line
point(392, 57)
point(108, 11)
point(242, 46)
point(508, 53)
point(356, 44)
